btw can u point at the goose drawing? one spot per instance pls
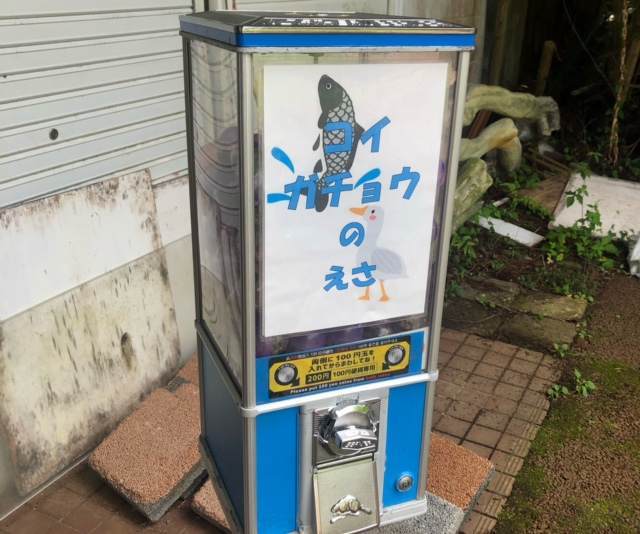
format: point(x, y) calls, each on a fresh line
point(389, 265)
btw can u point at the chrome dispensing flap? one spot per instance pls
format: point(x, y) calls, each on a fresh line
point(346, 498)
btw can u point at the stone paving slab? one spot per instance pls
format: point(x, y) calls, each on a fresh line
point(491, 399)
point(207, 504)
point(152, 457)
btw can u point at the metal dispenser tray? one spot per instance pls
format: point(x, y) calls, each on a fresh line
point(346, 498)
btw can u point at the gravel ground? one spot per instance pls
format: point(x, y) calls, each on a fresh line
point(583, 474)
point(615, 322)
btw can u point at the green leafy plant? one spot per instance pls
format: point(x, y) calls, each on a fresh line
point(582, 168)
point(531, 205)
point(463, 252)
point(562, 350)
point(485, 301)
point(557, 391)
point(496, 264)
point(582, 332)
point(454, 289)
point(583, 386)
point(576, 196)
point(522, 178)
point(580, 238)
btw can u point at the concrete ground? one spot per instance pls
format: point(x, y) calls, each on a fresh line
point(490, 399)
point(81, 503)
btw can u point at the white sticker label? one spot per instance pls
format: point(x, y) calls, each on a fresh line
point(351, 169)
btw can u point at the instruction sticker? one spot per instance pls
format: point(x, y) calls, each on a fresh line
point(322, 369)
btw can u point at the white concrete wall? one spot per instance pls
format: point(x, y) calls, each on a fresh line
point(97, 309)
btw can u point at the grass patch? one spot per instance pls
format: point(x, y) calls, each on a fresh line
point(565, 422)
point(607, 515)
point(521, 511)
point(598, 422)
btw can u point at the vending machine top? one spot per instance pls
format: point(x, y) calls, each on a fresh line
point(248, 29)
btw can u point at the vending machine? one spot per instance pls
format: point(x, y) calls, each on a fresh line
point(322, 156)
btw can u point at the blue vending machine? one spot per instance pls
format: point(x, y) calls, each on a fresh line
point(322, 157)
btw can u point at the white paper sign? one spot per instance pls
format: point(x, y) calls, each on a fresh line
point(350, 171)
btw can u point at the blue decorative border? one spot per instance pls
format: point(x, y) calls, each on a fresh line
point(323, 40)
point(317, 40)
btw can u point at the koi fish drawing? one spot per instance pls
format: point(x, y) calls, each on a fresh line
point(340, 134)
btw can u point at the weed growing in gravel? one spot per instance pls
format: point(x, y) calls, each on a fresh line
point(584, 387)
point(562, 350)
point(582, 331)
point(557, 391)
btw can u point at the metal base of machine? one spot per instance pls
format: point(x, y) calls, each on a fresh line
point(402, 512)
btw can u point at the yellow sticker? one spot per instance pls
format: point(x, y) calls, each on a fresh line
point(323, 369)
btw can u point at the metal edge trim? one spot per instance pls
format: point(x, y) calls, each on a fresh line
point(195, 248)
point(245, 104)
point(305, 499)
point(245, 109)
point(300, 401)
point(465, 30)
point(250, 477)
point(436, 323)
point(186, 54)
point(402, 512)
point(342, 49)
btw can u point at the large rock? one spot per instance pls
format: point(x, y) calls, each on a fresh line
point(554, 306)
point(472, 317)
point(537, 333)
point(473, 182)
point(490, 292)
point(542, 109)
point(501, 135)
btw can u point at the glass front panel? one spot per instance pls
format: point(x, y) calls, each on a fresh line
point(350, 170)
point(217, 173)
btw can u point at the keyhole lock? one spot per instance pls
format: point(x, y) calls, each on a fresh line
point(404, 483)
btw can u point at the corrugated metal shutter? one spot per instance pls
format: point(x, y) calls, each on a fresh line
point(106, 77)
point(372, 6)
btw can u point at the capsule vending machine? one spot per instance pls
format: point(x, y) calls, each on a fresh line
point(322, 155)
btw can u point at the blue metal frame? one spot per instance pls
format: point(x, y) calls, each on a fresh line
point(460, 41)
point(404, 442)
point(257, 40)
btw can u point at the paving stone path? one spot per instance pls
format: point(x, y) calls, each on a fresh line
point(491, 398)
